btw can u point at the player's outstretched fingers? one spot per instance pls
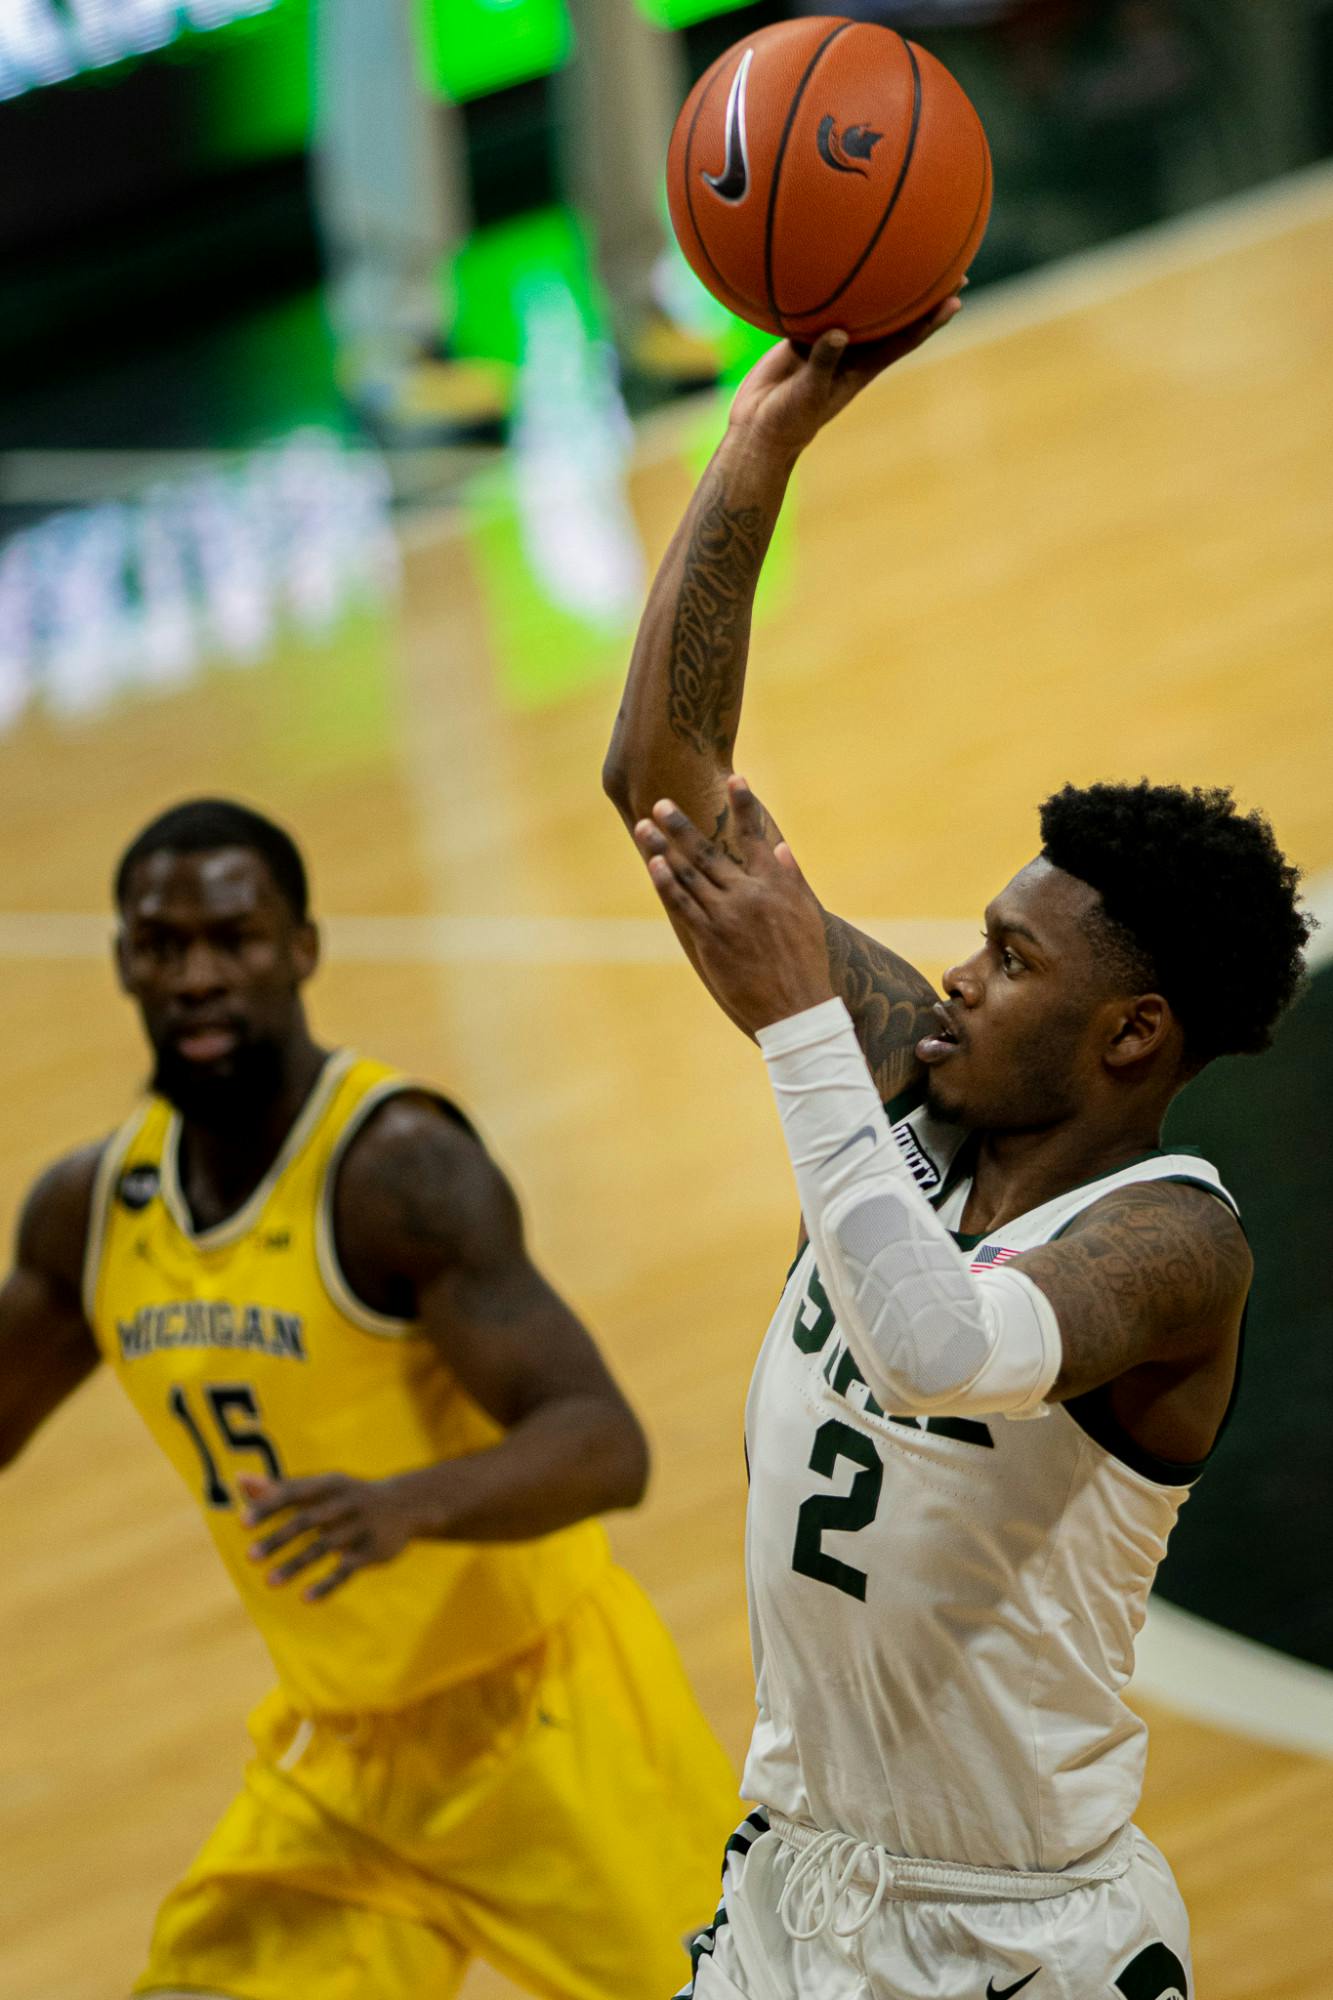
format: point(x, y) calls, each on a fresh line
point(748, 818)
point(313, 1552)
point(787, 861)
point(335, 1579)
point(649, 839)
point(671, 873)
point(870, 358)
point(690, 852)
point(677, 900)
point(316, 1514)
point(827, 352)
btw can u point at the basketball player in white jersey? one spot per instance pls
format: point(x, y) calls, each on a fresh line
point(1005, 1350)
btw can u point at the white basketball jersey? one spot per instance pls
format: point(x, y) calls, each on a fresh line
point(943, 1611)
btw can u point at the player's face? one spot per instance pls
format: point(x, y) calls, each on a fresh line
point(1020, 1049)
point(211, 952)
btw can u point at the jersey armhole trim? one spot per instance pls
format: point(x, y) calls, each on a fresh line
point(108, 1167)
point(385, 1326)
point(1092, 1411)
point(1096, 1419)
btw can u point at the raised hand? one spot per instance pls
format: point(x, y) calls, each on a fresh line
point(754, 925)
point(790, 393)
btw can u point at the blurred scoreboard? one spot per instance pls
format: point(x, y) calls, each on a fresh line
point(153, 152)
point(44, 42)
point(114, 108)
point(202, 82)
point(470, 47)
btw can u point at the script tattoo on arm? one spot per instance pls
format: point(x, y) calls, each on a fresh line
point(890, 1003)
point(710, 635)
point(1155, 1273)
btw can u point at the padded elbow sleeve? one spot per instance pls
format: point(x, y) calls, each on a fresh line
point(926, 1334)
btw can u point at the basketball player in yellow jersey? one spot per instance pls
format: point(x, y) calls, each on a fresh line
point(311, 1280)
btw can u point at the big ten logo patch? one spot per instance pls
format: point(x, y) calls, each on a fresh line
point(137, 1187)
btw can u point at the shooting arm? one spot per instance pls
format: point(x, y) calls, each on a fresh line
point(677, 724)
point(675, 733)
point(676, 728)
point(46, 1345)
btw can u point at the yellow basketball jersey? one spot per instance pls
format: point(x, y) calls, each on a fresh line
point(244, 1352)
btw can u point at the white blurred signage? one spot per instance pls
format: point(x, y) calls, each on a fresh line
point(46, 41)
point(213, 568)
point(571, 445)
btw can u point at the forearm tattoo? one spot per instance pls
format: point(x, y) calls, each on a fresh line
point(710, 635)
point(888, 1000)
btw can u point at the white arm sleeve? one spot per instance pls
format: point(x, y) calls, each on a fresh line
point(927, 1336)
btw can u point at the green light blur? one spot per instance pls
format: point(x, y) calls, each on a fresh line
point(470, 47)
point(543, 651)
point(496, 266)
point(260, 103)
point(684, 13)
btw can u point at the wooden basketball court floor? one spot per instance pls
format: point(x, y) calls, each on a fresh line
point(1085, 536)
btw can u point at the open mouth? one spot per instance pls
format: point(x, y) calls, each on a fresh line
point(205, 1045)
point(941, 1042)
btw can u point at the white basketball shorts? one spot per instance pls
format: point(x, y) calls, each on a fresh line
point(808, 1916)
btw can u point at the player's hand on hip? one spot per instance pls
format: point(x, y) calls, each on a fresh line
point(792, 392)
point(352, 1523)
point(753, 923)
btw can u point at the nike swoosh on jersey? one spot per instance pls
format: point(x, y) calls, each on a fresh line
point(733, 183)
point(994, 1992)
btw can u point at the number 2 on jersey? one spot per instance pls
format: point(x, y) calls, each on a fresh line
point(225, 1400)
point(853, 1510)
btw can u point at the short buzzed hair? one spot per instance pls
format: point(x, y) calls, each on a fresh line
point(197, 825)
point(1198, 903)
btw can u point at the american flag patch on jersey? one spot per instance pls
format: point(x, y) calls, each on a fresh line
point(990, 1255)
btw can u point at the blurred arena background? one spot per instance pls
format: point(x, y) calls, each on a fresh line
point(349, 389)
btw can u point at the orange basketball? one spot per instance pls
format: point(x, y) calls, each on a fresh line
point(828, 173)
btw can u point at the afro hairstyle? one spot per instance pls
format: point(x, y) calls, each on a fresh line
point(1198, 903)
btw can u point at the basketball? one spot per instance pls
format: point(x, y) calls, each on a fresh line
point(829, 173)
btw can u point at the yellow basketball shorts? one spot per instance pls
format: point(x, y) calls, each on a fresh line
point(560, 1818)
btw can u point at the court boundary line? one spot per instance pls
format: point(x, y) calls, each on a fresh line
point(1210, 1674)
point(593, 941)
point(55, 935)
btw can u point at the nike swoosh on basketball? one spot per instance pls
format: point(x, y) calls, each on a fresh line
point(733, 183)
point(994, 1992)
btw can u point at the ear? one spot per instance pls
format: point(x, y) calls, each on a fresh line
point(305, 951)
point(1143, 1026)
